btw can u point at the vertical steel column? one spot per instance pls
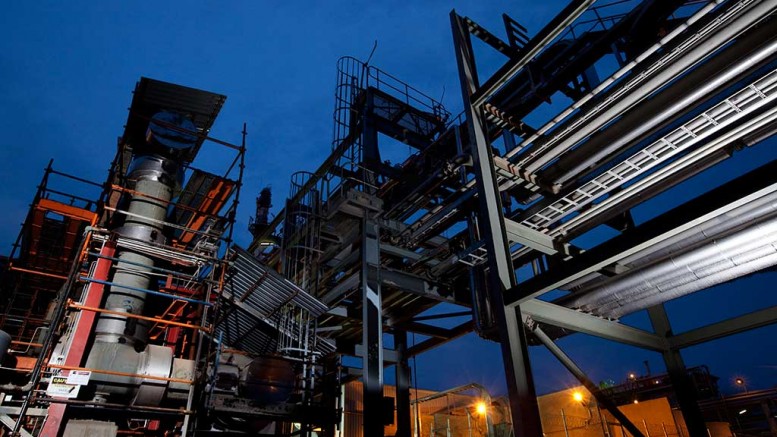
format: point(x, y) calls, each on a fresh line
point(523, 399)
point(372, 329)
point(681, 382)
point(403, 384)
point(767, 410)
point(578, 373)
point(82, 330)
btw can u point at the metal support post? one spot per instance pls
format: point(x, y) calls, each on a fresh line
point(403, 384)
point(767, 410)
point(372, 329)
point(578, 373)
point(523, 399)
point(82, 329)
point(685, 392)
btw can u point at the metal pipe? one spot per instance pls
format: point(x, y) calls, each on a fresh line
point(733, 111)
point(115, 284)
point(683, 96)
point(135, 316)
point(609, 81)
point(701, 284)
point(696, 160)
point(636, 190)
point(669, 68)
point(752, 212)
point(116, 373)
point(720, 260)
point(578, 373)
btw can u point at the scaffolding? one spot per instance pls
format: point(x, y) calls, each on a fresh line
point(47, 245)
point(187, 272)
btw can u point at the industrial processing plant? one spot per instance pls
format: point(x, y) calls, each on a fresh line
point(590, 171)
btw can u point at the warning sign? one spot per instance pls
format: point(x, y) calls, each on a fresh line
point(79, 377)
point(58, 387)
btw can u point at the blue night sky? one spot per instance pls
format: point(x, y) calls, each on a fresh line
point(67, 70)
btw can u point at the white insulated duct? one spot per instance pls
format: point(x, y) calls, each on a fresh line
point(718, 227)
point(764, 258)
point(120, 342)
point(723, 259)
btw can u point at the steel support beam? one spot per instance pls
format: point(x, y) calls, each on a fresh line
point(558, 24)
point(552, 314)
point(424, 329)
point(578, 373)
point(372, 330)
point(81, 332)
point(528, 237)
point(413, 284)
point(520, 384)
point(721, 200)
point(684, 389)
point(11, 425)
point(402, 370)
point(456, 332)
point(735, 325)
point(389, 355)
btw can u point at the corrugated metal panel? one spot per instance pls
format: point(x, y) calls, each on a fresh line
point(202, 199)
point(195, 193)
point(152, 96)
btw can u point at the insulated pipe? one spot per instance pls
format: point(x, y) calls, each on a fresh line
point(154, 178)
point(716, 228)
point(661, 44)
point(724, 259)
point(688, 266)
point(585, 126)
point(741, 218)
point(768, 259)
point(120, 342)
point(703, 82)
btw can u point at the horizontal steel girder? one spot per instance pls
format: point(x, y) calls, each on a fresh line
point(735, 325)
point(551, 314)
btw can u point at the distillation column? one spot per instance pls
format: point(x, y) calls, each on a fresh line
point(154, 174)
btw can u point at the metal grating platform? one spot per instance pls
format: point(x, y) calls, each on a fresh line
point(255, 297)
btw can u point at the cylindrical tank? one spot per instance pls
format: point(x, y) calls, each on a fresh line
point(153, 179)
point(270, 379)
point(154, 174)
